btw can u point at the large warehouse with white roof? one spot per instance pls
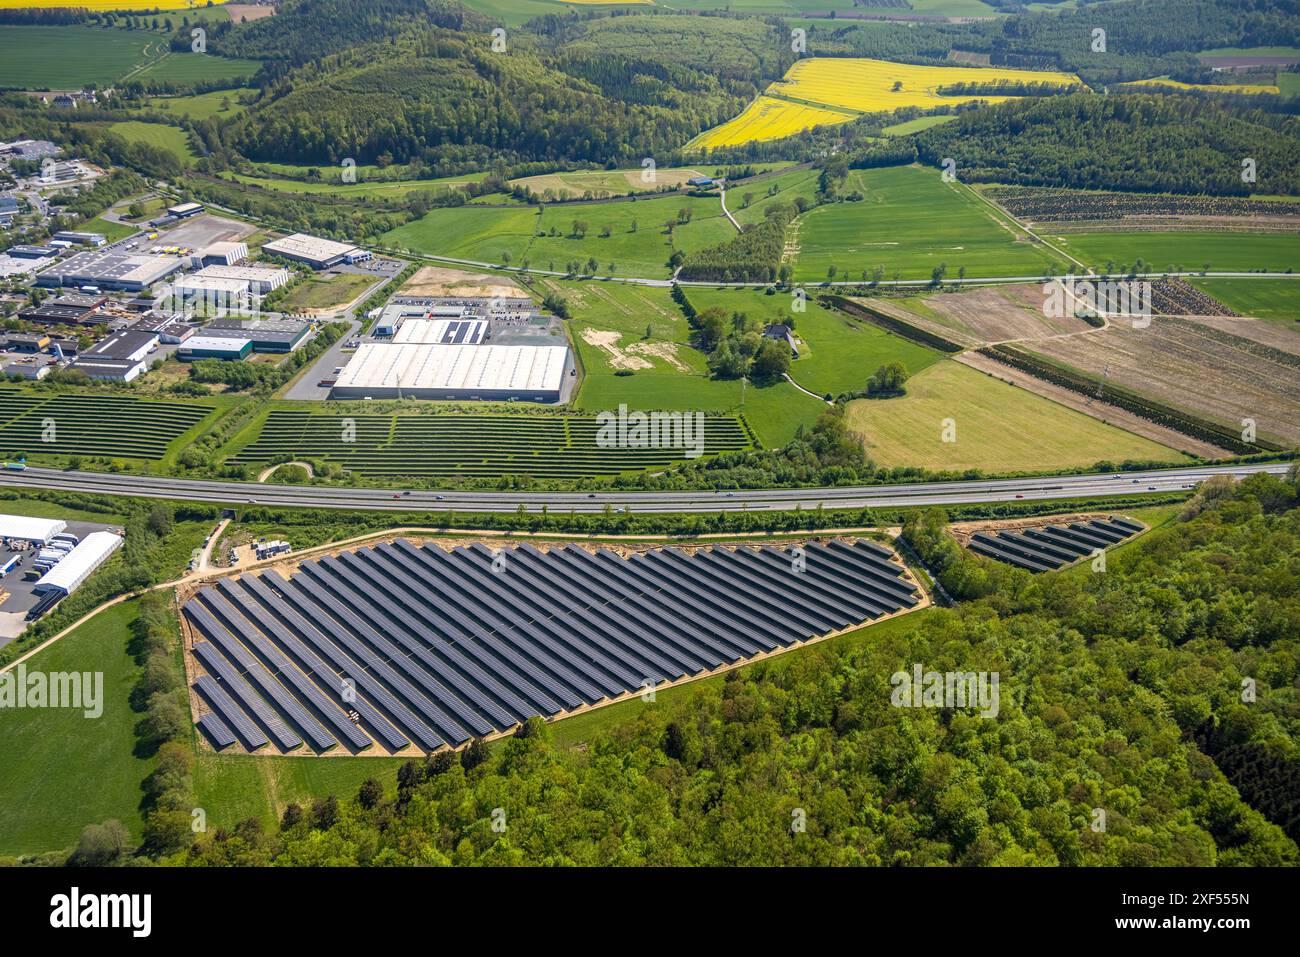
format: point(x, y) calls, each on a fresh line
point(466, 371)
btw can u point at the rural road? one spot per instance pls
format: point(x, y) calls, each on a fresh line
point(922, 493)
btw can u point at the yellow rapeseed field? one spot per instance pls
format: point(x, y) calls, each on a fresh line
point(1211, 87)
point(103, 4)
point(768, 118)
point(828, 84)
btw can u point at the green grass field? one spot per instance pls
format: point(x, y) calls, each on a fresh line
point(197, 68)
point(108, 229)
point(1274, 299)
point(68, 57)
point(999, 428)
point(909, 223)
point(60, 770)
point(171, 138)
point(1224, 251)
point(220, 104)
point(838, 354)
point(474, 233)
point(918, 124)
point(318, 293)
point(365, 188)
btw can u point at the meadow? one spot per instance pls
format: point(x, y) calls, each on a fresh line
point(617, 182)
point(171, 138)
point(69, 57)
point(1277, 300)
point(909, 222)
point(321, 293)
point(838, 354)
point(1167, 83)
point(999, 428)
point(96, 5)
point(827, 90)
point(1186, 251)
point(198, 68)
point(364, 188)
point(475, 233)
point(219, 104)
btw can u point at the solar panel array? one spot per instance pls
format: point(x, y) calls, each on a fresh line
point(399, 644)
point(1049, 547)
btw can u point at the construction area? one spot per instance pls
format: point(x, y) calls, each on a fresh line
point(408, 647)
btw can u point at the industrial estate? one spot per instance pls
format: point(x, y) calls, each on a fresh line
point(521, 432)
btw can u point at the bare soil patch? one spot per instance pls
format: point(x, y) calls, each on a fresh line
point(440, 281)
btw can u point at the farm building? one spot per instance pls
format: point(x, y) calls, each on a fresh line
point(184, 210)
point(314, 251)
point(111, 270)
point(79, 564)
point(20, 528)
point(465, 371)
point(266, 335)
point(214, 347)
point(260, 279)
point(782, 333)
point(81, 239)
point(223, 254)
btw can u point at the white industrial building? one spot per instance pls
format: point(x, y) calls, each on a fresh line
point(212, 291)
point(314, 251)
point(471, 331)
point(111, 270)
point(260, 279)
point(223, 254)
point(465, 371)
point(21, 528)
point(79, 564)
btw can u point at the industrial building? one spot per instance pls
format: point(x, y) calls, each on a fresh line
point(38, 531)
point(67, 310)
point(259, 279)
point(118, 358)
point(72, 570)
point(27, 342)
point(214, 347)
point(26, 251)
point(211, 291)
point(314, 251)
point(16, 266)
point(80, 239)
point(111, 270)
point(465, 371)
point(170, 330)
point(223, 254)
point(184, 210)
point(265, 335)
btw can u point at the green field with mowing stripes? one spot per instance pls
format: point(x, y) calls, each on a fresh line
point(89, 424)
point(471, 446)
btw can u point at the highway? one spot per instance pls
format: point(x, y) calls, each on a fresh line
point(1090, 485)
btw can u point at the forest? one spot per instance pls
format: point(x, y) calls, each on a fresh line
point(1160, 693)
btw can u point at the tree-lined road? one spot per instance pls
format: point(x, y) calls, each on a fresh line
point(1090, 485)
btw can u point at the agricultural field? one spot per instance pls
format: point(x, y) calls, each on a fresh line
point(816, 89)
point(69, 57)
point(1184, 251)
point(477, 446)
point(998, 428)
point(198, 68)
point(1224, 370)
point(1276, 300)
point(1166, 83)
point(364, 187)
point(1078, 210)
point(909, 222)
point(982, 315)
point(92, 424)
point(476, 234)
point(907, 127)
point(96, 5)
point(599, 183)
point(837, 353)
point(173, 139)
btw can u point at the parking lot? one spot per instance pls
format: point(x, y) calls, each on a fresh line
point(16, 595)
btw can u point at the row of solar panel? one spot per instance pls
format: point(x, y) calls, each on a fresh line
point(418, 644)
point(1049, 547)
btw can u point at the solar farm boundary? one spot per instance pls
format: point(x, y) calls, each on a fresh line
point(964, 532)
point(191, 635)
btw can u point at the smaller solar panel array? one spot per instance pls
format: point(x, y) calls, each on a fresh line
point(1049, 547)
point(401, 644)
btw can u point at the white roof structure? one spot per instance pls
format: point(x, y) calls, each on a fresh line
point(215, 344)
point(25, 529)
point(444, 331)
point(455, 368)
point(261, 277)
point(201, 283)
point(302, 246)
point(78, 565)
